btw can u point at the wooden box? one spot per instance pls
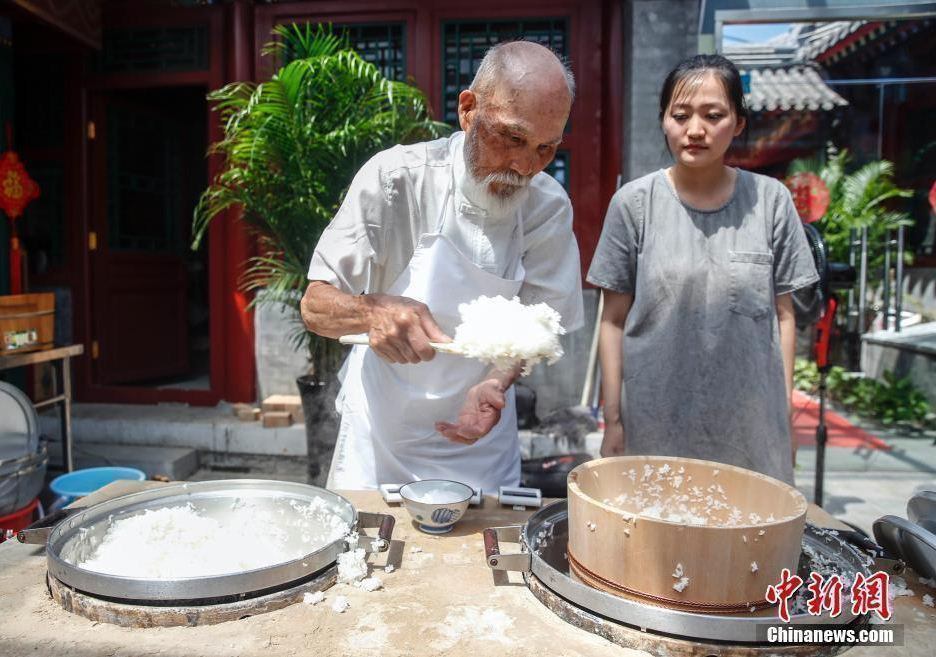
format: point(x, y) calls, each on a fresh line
point(27, 322)
point(682, 533)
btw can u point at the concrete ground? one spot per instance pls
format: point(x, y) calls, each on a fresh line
point(861, 484)
point(860, 498)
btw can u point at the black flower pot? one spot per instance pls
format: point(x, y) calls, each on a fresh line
point(321, 423)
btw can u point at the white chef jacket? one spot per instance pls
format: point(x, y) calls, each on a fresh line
point(397, 196)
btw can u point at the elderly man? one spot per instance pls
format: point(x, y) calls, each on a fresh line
point(427, 227)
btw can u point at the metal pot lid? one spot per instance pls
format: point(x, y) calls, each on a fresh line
point(75, 536)
point(19, 425)
point(921, 509)
point(24, 462)
point(545, 536)
point(22, 480)
point(909, 541)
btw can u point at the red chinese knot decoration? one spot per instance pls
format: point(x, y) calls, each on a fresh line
point(810, 195)
point(17, 189)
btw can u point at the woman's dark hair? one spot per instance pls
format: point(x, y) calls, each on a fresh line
point(694, 68)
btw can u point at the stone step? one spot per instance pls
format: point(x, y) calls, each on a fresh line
point(177, 463)
point(212, 429)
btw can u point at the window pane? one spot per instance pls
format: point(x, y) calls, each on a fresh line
point(153, 49)
point(139, 190)
point(464, 44)
point(559, 168)
point(381, 44)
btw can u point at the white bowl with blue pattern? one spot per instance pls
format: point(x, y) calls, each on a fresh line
point(436, 504)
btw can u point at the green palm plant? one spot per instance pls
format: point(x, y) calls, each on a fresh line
point(860, 199)
point(291, 147)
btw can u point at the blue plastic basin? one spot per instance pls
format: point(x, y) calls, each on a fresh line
point(84, 482)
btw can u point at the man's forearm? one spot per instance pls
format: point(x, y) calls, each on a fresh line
point(506, 377)
point(399, 329)
point(331, 313)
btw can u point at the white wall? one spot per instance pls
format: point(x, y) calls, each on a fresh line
point(278, 363)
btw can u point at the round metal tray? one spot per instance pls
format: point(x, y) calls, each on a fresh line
point(78, 532)
point(544, 538)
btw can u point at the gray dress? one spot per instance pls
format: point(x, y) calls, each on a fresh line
point(703, 371)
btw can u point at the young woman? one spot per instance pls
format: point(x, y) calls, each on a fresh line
point(697, 263)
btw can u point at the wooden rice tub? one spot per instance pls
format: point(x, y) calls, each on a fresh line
point(754, 529)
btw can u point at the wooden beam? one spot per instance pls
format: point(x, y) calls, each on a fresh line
point(80, 20)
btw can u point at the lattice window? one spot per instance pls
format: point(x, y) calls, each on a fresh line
point(559, 168)
point(381, 44)
point(143, 181)
point(153, 49)
point(465, 42)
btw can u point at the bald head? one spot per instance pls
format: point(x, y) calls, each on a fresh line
point(517, 67)
point(514, 115)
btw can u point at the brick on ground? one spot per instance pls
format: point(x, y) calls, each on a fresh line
point(246, 412)
point(289, 403)
point(273, 419)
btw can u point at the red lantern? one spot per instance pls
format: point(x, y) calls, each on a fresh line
point(810, 195)
point(17, 190)
point(932, 196)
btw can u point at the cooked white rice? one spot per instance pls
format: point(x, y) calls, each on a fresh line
point(665, 493)
point(505, 332)
point(181, 541)
point(437, 496)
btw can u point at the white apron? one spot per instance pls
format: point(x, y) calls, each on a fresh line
point(389, 411)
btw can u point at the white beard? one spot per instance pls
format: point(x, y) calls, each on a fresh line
point(478, 192)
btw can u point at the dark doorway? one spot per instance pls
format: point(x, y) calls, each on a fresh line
point(149, 301)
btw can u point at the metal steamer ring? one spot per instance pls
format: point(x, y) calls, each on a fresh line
point(544, 564)
point(62, 533)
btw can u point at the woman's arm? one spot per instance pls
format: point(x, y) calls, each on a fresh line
point(610, 336)
point(787, 321)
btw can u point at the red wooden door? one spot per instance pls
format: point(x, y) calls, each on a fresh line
point(138, 278)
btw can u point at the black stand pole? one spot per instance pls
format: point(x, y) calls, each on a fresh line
point(821, 438)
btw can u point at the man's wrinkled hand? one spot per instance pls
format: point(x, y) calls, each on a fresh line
point(402, 328)
point(478, 415)
point(614, 442)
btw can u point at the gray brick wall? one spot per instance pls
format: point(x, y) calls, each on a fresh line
point(658, 34)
